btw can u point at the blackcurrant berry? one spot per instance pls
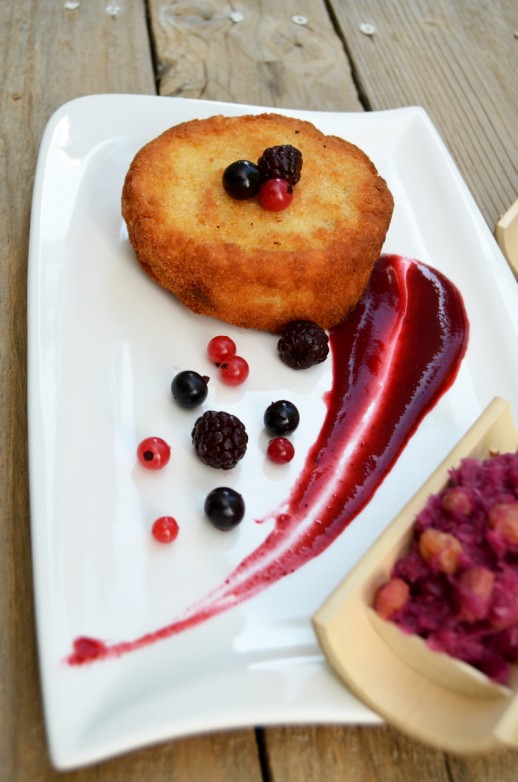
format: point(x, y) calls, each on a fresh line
point(224, 508)
point(242, 179)
point(189, 388)
point(281, 418)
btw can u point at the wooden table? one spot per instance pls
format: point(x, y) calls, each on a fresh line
point(458, 59)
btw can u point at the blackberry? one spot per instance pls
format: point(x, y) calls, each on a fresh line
point(283, 162)
point(219, 439)
point(303, 344)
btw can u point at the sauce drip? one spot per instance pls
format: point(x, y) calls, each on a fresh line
point(393, 358)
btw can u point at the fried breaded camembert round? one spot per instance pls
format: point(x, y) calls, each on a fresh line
point(236, 261)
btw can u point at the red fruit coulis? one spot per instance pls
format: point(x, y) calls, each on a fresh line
point(393, 358)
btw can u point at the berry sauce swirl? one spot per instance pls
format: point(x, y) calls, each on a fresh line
point(393, 358)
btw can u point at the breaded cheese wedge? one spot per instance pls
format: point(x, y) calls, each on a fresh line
point(236, 261)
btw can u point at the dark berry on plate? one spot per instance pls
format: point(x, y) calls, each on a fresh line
point(242, 179)
point(165, 529)
point(234, 371)
point(224, 508)
point(219, 439)
point(280, 450)
point(275, 195)
point(189, 388)
point(153, 453)
point(281, 162)
point(221, 348)
point(281, 418)
point(303, 344)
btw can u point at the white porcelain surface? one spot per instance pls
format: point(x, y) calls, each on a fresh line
point(104, 344)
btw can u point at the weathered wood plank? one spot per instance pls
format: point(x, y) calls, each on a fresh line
point(351, 754)
point(50, 55)
point(219, 757)
point(456, 59)
point(374, 754)
point(9, 422)
point(264, 57)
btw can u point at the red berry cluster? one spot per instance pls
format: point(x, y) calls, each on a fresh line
point(189, 390)
point(154, 453)
point(272, 179)
point(232, 369)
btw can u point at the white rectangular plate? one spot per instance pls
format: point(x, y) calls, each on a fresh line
point(104, 344)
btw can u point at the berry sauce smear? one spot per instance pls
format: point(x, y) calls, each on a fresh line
point(393, 358)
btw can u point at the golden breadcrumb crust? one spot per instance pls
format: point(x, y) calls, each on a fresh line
point(234, 260)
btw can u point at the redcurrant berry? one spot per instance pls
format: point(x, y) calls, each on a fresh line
point(280, 450)
point(234, 371)
point(275, 195)
point(153, 453)
point(220, 349)
point(165, 529)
